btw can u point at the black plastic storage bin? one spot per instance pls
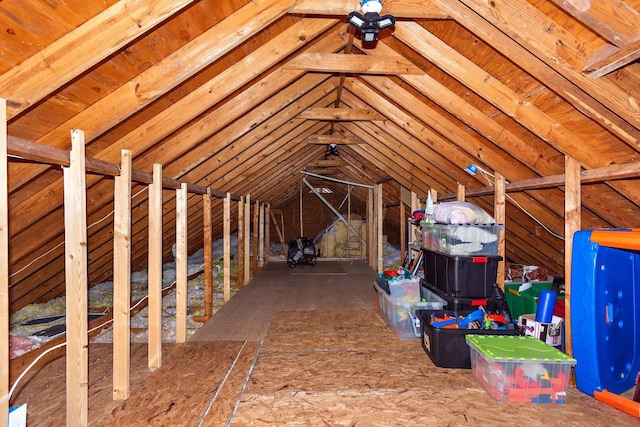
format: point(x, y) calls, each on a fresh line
point(448, 348)
point(461, 276)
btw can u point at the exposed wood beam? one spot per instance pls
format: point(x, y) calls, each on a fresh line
point(156, 81)
point(324, 171)
point(332, 139)
point(340, 114)
point(557, 47)
point(66, 58)
point(326, 163)
point(501, 96)
point(340, 63)
point(38, 152)
point(581, 97)
point(607, 173)
point(398, 8)
point(610, 58)
point(615, 20)
point(166, 122)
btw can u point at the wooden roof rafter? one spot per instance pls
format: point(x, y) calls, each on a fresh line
point(618, 23)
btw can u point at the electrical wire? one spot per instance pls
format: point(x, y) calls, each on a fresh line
point(57, 346)
point(486, 176)
point(62, 243)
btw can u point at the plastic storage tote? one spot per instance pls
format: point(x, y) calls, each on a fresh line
point(520, 369)
point(401, 316)
point(461, 276)
point(526, 301)
point(447, 348)
point(453, 239)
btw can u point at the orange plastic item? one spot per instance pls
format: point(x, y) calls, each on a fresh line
point(619, 402)
point(623, 239)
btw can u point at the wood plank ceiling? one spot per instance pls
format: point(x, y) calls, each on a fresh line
point(240, 95)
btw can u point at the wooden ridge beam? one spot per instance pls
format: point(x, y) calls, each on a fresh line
point(360, 64)
point(340, 114)
point(399, 8)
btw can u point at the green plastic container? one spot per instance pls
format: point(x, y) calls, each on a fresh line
point(527, 301)
point(520, 369)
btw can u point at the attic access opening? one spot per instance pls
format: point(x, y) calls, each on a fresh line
point(345, 236)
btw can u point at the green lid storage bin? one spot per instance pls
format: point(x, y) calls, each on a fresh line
point(520, 369)
point(526, 302)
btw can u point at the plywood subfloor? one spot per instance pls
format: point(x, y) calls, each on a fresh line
point(335, 364)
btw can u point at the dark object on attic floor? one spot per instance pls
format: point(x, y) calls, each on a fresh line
point(302, 251)
point(56, 330)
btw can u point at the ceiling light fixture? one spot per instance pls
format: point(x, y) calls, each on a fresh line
point(371, 22)
point(332, 150)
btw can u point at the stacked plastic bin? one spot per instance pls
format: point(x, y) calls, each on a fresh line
point(461, 266)
point(400, 304)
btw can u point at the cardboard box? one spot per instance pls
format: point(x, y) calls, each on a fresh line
point(551, 333)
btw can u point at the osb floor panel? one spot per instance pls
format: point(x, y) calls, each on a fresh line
point(341, 368)
point(329, 363)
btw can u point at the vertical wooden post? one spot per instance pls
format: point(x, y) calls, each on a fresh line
point(181, 263)
point(403, 231)
point(226, 231)
point(155, 269)
point(500, 216)
point(122, 278)
point(572, 223)
point(380, 218)
point(261, 241)
point(75, 232)
point(208, 255)
point(241, 232)
point(256, 232)
point(371, 229)
point(4, 266)
point(247, 239)
point(461, 194)
point(267, 231)
point(415, 202)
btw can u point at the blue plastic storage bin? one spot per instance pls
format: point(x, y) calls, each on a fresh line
point(605, 311)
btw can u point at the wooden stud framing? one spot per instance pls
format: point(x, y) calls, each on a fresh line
point(122, 279)
point(4, 266)
point(256, 232)
point(75, 228)
point(279, 229)
point(380, 220)
point(403, 231)
point(247, 239)
point(241, 259)
point(461, 192)
point(226, 226)
point(371, 229)
point(208, 255)
point(500, 216)
point(415, 202)
point(572, 223)
point(261, 241)
point(155, 269)
point(181, 263)
point(267, 231)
